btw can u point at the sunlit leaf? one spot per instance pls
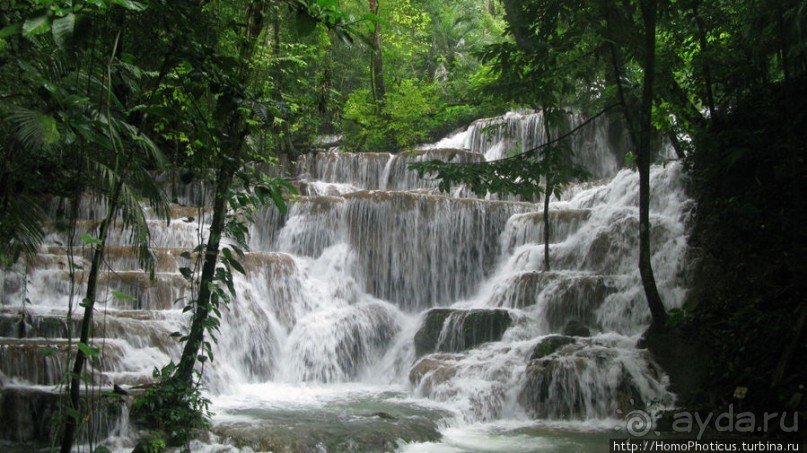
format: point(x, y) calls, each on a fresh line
point(121, 296)
point(89, 240)
point(36, 26)
point(129, 4)
point(62, 29)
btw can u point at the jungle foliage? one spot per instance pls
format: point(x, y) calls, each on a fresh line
point(98, 96)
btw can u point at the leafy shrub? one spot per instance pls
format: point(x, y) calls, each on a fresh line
point(402, 120)
point(172, 407)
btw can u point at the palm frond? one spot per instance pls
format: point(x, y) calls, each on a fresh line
point(34, 130)
point(140, 235)
point(20, 228)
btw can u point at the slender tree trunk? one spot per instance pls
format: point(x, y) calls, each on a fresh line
point(547, 195)
point(676, 144)
point(235, 128)
point(641, 129)
point(707, 73)
point(548, 187)
point(184, 371)
point(649, 10)
point(377, 61)
point(74, 389)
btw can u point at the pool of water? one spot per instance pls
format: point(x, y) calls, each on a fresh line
point(374, 418)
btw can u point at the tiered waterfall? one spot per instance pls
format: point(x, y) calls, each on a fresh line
point(379, 314)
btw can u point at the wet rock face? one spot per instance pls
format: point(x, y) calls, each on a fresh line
point(550, 345)
point(453, 330)
point(577, 382)
point(575, 328)
point(435, 368)
point(429, 332)
point(27, 415)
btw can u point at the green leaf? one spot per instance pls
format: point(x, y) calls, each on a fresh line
point(306, 24)
point(62, 30)
point(10, 30)
point(186, 255)
point(121, 296)
point(186, 272)
point(36, 26)
point(129, 4)
point(279, 201)
point(237, 266)
point(50, 130)
point(227, 253)
point(89, 351)
point(89, 240)
point(72, 413)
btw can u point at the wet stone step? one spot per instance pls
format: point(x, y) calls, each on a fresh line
point(139, 328)
point(141, 293)
point(45, 362)
point(184, 233)
point(28, 414)
point(120, 258)
point(456, 330)
point(17, 324)
point(557, 297)
point(528, 228)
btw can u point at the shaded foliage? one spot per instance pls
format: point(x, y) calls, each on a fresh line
point(750, 238)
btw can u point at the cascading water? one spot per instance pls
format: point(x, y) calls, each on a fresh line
point(379, 315)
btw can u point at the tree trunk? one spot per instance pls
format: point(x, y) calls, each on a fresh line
point(548, 187)
point(649, 10)
point(520, 26)
point(235, 129)
point(707, 73)
point(641, 131)
point(547, 195)
point(74, 387)
point(184, 371)
point(377, 62)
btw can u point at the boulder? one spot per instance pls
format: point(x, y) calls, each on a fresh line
point(455, 330)
point(429, 332)
point(548, 345)
point(439, 368)
point(575, 328)
point(579, 383)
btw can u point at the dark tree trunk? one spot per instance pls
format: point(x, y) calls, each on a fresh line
point(184, 371)
point(518, 18)
point(707, 73)
point(548, 187)
point(74, 386)
point(377, 63)
point(236, 131)
point(547, 195)
point(641, 130)
point(649, 10)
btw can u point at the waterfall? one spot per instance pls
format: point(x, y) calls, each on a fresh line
point(379, 310)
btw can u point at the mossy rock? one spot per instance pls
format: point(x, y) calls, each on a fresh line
point(550, 345)
point(429, 332)
point(465, 329)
